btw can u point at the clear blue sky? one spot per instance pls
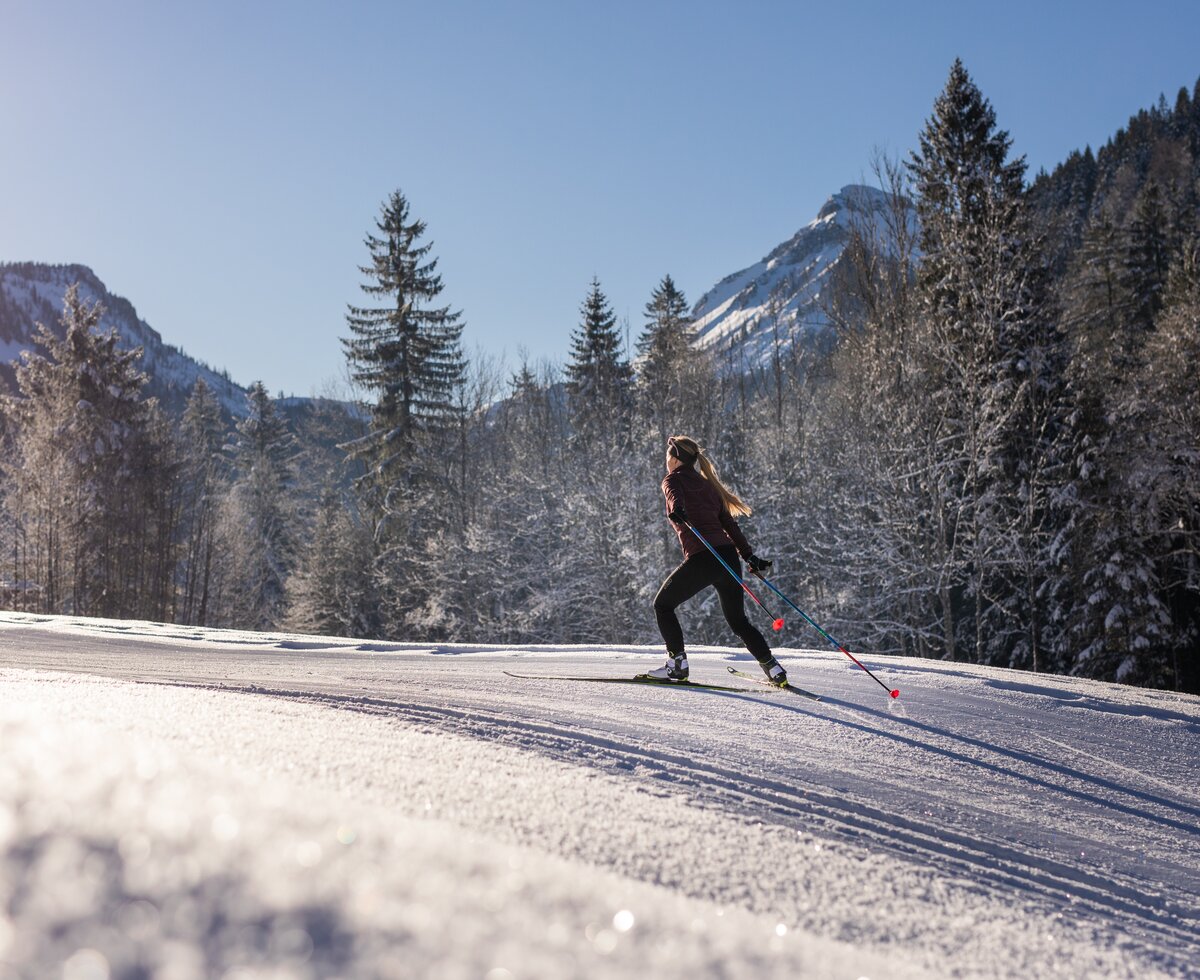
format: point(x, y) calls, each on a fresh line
point(219, 163)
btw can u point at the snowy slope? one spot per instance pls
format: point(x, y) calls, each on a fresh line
point(191, 802)
point(779, 298)
point(32, 293)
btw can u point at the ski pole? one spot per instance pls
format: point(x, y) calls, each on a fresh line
point(776, 621)
point(893, 692)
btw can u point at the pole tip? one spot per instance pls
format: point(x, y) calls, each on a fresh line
point(895, 693)
point(777, 625)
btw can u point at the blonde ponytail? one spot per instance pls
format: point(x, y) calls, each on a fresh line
point(689, 447)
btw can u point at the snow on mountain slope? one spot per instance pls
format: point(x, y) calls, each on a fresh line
point(779, 298)
point(192, 802)
point(32, 293)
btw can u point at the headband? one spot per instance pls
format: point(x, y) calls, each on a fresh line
point(682, 453)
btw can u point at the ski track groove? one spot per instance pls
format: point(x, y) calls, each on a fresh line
point(1003, 867)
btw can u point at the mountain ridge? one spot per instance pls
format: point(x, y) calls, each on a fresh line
point(32, 293)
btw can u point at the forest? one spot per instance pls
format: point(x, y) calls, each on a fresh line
point(992, 459)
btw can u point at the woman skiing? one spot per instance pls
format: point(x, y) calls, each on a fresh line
point(695, 496)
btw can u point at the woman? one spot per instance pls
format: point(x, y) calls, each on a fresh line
point(695, 496)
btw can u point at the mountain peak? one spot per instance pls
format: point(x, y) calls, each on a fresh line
point(778, 299)
point(853, 199)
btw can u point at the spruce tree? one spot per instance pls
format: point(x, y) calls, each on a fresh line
point(965, 187)
point(1146, 261)
point(979, 279)
point(1159, 492)
point(261, 519)
point(1096, 308)
point(332, 592)
point(406, 350)
point(666, 337)
point(598, 375)
point(599, 391)
point(670, 378)
point(1173, 367)
point(1115, 623)
point(89, 475)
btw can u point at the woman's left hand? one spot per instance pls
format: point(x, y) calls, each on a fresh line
point(759, 565)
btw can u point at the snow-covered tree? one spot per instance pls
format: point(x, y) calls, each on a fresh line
point(332, 591)
point(405, 352)
point(90, 474)
point(205, 481)
point(260, 519)
point(672, 374)
point(1148, 253)
point(979, 279)
point(1142, 501)
point(1170, 382)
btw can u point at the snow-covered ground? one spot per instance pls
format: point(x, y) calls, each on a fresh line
point(179, 803)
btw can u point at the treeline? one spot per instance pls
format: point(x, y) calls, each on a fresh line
point(995, 461)
point(112, 508)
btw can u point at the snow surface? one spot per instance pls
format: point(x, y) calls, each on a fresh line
point(180, 802)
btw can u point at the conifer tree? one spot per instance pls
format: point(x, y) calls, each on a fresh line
point(979, 278)
point(599, 381)
point(261, 519)
point(1143, 505)
point(598, 375)
point(1171, 384)
point(671, 377)
point(332, 592)
point(204, 475)
point(1146, 261)
point(406, 350)
point(1114, 619)
point(666, 338)
point(90, 476)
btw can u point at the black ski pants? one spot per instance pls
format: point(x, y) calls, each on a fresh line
point(694, 575)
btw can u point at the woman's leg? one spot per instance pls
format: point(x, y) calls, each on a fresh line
point(734, 607)
point(689, 578)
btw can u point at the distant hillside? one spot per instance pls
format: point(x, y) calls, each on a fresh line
point(32, 293)
point(1159, 146)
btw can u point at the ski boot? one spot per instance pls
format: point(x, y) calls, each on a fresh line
point(774, 671)
point(675, 669)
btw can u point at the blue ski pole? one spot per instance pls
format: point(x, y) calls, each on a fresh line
point(895, 693)
point(776, 621)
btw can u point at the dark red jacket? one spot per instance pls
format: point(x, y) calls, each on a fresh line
point(684, 487)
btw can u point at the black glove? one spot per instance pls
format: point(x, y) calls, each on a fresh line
point(678, 515)
point(759, 565)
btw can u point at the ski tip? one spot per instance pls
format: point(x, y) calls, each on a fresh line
point(895, 693)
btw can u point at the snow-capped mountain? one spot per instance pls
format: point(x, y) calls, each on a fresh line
point(32, 293)
point(780, 297)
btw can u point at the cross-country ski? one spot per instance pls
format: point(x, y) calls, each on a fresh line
point(636, 679)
